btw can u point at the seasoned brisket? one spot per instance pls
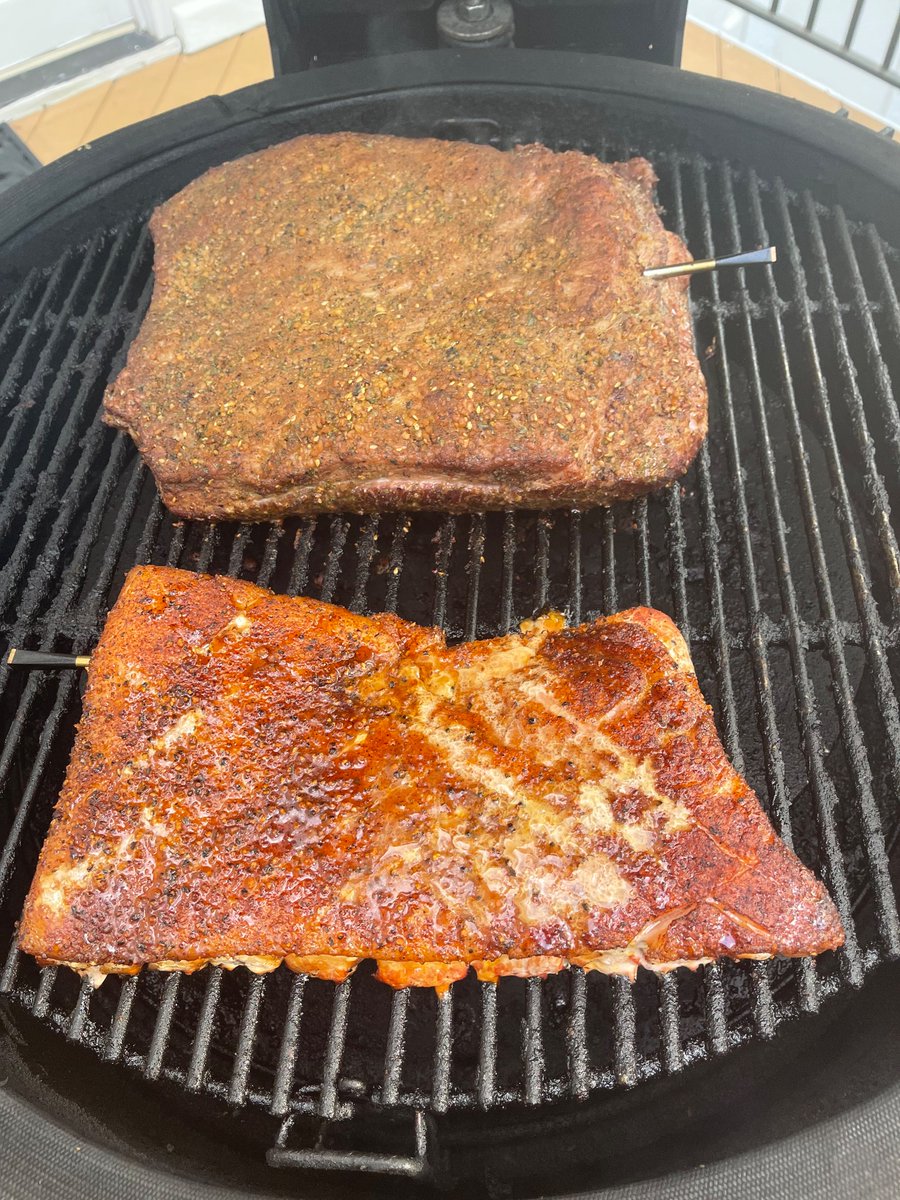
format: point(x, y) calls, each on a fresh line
point(352, 321)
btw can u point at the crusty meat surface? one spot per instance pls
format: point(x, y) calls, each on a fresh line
point(259, 778)
point(352, 321)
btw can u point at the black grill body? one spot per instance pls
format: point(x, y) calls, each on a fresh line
point(316, 33)
point(776, 554)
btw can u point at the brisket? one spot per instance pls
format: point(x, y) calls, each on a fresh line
point(361, 322)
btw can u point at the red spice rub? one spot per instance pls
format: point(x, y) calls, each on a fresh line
point(352, 321)
point(259, 778)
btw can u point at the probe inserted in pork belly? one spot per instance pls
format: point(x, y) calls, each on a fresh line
point(259, 778)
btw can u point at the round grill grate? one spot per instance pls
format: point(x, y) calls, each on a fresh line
point(775, 554)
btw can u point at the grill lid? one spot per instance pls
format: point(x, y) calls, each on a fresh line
point(776, 555)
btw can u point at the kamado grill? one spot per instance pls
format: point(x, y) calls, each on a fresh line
point(776, 555)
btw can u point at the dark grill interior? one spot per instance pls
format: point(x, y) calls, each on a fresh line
point(775, 555)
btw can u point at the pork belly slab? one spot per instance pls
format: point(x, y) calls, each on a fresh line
point(360, 322)
point(259, 778)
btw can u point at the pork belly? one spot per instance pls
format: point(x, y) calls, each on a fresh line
point(259, 778)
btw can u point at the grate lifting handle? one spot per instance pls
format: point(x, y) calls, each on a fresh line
point(411, 1166)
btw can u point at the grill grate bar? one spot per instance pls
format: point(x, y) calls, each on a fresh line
point(78, 1015)
point(270, 555)
point(443, 1052)
point(27, 462)
point(861, 585)
point(176, 546)
point(41, 578)
point(533, 1042)
point(576, 1035)
point(10, 967)
point(487, 1057)
point(710, 539)
point(37, 323)
point(67, 682)
point(625, 1053)
point(710, 536)
point(542, 565)
point(574, 567)
point(52, 480)
point(610, 601)
point(205, 1022)
point(77, 1019)
point(853, 737)
point(714, 1007)
point(41, 1003)
point(822, 785)
point(48, 736)
point(236, 554)
point(365, 553)
point(207, 547)
point(93, 603)
point(334, 1050)
point(891, 305)
point(763, 1001)
point(115, 1042)
point(507, 569)
point(623, 997)
point(238, 1086)
point(713, 991)
point(11, 311)
point(874, 355)
point(766, 705)
point(876, 492)
point(302, 549)
point(288, 1047)
point(676, 543)
point(24, 317)
point(144, 550)
point(396, 558)
point(339, 528)
point(160, 1040)
point(861, 582)
point(33, 688)
point(396, 1043)
point(670, 1023)
point(446, 538)
point(476, 558)
point(240, 1074)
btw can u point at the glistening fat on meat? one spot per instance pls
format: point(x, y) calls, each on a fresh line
point(260, 778)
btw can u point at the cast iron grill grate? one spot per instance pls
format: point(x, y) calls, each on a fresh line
point(775, 554)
